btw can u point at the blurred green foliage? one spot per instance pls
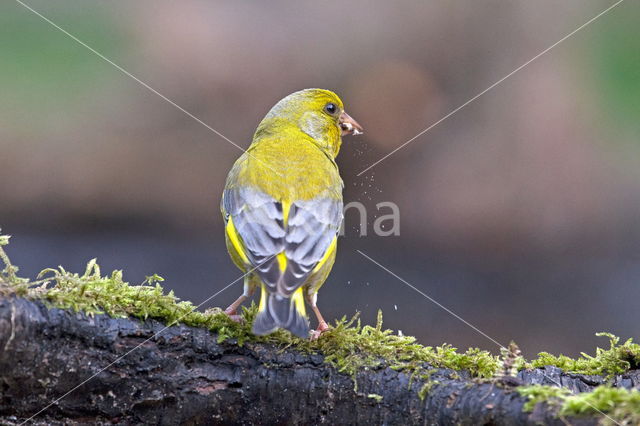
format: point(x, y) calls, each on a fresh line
point(41, 68)
point(616, 64)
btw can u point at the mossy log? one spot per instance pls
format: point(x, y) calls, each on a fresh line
point(184, 376)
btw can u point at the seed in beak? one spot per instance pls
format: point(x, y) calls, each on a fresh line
point(349, 126)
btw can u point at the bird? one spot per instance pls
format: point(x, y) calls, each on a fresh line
point(282, 208)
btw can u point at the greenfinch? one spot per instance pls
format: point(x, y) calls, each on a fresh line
point(282, 208)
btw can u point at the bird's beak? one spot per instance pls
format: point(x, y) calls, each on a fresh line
point(348, 125)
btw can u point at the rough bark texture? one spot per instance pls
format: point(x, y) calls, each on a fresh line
point(183, 376)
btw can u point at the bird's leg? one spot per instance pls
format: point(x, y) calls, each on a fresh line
point(231, 311)
point(322, 324)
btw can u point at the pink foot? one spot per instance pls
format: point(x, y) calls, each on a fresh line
point(233, 316)
point(322, 327)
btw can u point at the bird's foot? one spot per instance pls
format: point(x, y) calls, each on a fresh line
point(322, 327)
point(233, 316)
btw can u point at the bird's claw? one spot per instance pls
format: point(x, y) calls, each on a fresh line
point(315, 334)
point(236, 318)
point(231, 313)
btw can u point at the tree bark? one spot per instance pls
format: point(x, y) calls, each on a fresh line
point(183, 376)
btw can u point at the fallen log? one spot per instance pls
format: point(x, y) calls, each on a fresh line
point(59, 366)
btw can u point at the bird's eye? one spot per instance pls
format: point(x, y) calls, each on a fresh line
point(331, 108)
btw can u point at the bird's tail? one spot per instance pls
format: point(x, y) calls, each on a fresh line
point(277, 311)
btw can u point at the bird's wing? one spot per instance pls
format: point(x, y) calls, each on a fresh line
point(284, 241)
point(255, 225)
point(312, 229)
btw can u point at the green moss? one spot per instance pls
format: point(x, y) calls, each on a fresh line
point(613, 405)
point(621, 405)
point(426, 388)
point(615, 360)
point(375, 396)
point(542, 394)
point(9, 279)
point(352, 347)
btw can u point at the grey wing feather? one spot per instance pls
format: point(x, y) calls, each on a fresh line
point(258, 218)
point(311, 228)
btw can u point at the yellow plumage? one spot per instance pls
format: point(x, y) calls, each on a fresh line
point(282, 205)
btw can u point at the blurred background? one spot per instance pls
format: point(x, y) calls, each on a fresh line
point(520, 213)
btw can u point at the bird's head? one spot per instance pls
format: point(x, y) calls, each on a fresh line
point(316, 112)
